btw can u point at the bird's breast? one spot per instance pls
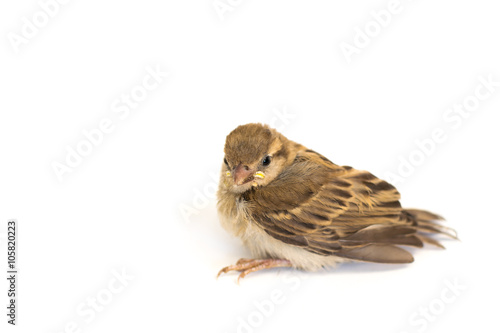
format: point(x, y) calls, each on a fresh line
point(233, 213)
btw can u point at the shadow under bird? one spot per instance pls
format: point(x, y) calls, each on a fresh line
point(292, 207)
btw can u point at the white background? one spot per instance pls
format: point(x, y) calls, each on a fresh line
point(143, 200)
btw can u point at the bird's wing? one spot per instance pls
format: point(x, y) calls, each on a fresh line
point(333, 210)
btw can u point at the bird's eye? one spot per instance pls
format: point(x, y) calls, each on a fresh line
point(266, 161)
point(225, 162)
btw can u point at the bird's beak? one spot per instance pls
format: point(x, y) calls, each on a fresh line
point(242, 174)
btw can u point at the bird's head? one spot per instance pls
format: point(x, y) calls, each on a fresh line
point(255, 154)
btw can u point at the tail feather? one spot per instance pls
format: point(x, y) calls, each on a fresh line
point(380, 242)
point(430, 240)
point(428, 223)
point(423, 215)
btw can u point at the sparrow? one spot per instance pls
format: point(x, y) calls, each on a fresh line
point(293, 207)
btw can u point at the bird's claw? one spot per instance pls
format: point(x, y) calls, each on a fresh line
point(247, 266)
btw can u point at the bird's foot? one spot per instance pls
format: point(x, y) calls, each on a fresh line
point(247, 266)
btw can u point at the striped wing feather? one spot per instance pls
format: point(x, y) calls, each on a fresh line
point(333, 210)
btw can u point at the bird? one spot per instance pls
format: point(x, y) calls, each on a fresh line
point(293, 207)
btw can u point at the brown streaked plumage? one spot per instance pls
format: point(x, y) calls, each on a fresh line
point(293, 207)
